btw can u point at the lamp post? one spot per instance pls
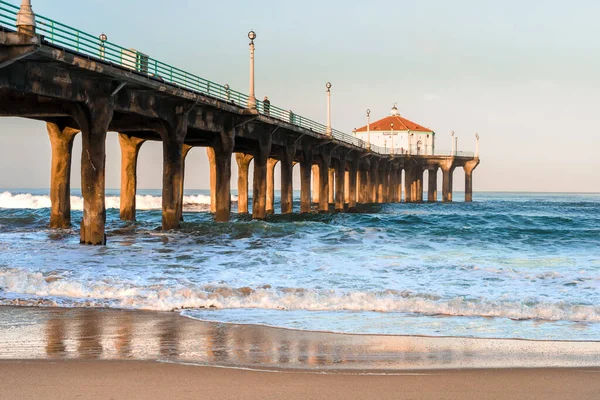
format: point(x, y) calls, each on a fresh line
point(453, 151)
point(227, 92)
point(26, 19)
point(251, 96)
point(369, 129)
point(328, 129)
point(103, 38)
point(392, 135)
point(354, 132)
point(477, 145)
point(456, 145)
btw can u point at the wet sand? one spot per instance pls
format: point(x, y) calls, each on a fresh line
point(91, 353)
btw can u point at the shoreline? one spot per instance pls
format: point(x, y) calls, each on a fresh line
point(45, 333)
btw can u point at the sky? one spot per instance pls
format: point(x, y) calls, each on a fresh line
point(522, 74)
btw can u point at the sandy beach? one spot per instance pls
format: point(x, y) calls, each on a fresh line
point(145, 380)
point(55, 353)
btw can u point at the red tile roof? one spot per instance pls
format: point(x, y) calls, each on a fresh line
point(400, 124)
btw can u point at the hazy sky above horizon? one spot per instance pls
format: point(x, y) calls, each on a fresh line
point(524, 74)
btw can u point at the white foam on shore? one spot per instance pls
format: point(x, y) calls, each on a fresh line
point(147, 202)
point(19, 287)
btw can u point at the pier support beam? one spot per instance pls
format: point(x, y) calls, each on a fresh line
point(363, 182)
point(340, 172)
point(271, 163)
point(93, 119)
point(373, 180)
point(130, 149)
point(184, 153)
point(172, 176)
point(223, 150)
point(316, 185)
point(432, 187)
point(210, 153)
point(392, 188)
point(243, 163)
point(352, 174)
point(259, 186)
point(382, 175)
point(306, 168)
point(409, 179)
point(399, 184)
point(419, 185)
point(469, 167)
point(287, 170)
point(331, 195)
point(324, 160)
point(61, 140)
point(448, 172)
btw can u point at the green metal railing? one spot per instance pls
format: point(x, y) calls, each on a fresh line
point(68, 38)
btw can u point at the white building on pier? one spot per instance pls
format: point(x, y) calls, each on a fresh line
point(399, 135)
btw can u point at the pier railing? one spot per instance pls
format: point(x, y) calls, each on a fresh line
point(74, 40)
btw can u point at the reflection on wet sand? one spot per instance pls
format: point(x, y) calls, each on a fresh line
point(37, 333)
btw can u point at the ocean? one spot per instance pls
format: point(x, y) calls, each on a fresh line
point(508, 265)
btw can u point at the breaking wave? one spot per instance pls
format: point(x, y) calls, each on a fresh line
point(9, 200)
point(18, 287)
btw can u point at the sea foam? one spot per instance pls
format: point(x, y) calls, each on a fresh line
point(9, 200)
point(34, 288)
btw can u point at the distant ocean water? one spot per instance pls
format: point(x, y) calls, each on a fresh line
point(508, 265)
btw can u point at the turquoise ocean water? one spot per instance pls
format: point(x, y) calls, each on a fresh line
point(509, 265)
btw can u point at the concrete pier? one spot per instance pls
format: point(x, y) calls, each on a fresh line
point(324, 161)
point(306, 168)
point(243, 163)
point(287, 169)
point(61, 140)
point(185, 151)
point(75, 91)
point(259, 185)
point(94, 120)
point(130, 148)
point(340, 179)
point(432, 185)
point(271, 163)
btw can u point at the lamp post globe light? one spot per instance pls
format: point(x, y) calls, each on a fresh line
point(26, 19)
point(103, 38)
point(328, 129)
point(369, 129)
point(251, 96)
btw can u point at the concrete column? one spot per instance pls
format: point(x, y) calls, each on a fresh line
point(432, 188)
point(287, 169)
point(469, 168)
point(94, 120)
point(399, 186)
point(419, 185)
point(447, 183)
point(316, 185)
point(324, 162)
point(306, 168)
point(172, 177)
point(184, 153)
point(210, 152)
point(393, 191)
point(408, 184)
point(243, 163)
point(223, 150)
point(130, 148)
point(381, 182)
point(352, 174)
point(340, 172)
point(271, 163)
point(346, 187)
point(259, 189)
point(61, 140)
point(331, 194)
point(363, 185)
point(373, 180)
